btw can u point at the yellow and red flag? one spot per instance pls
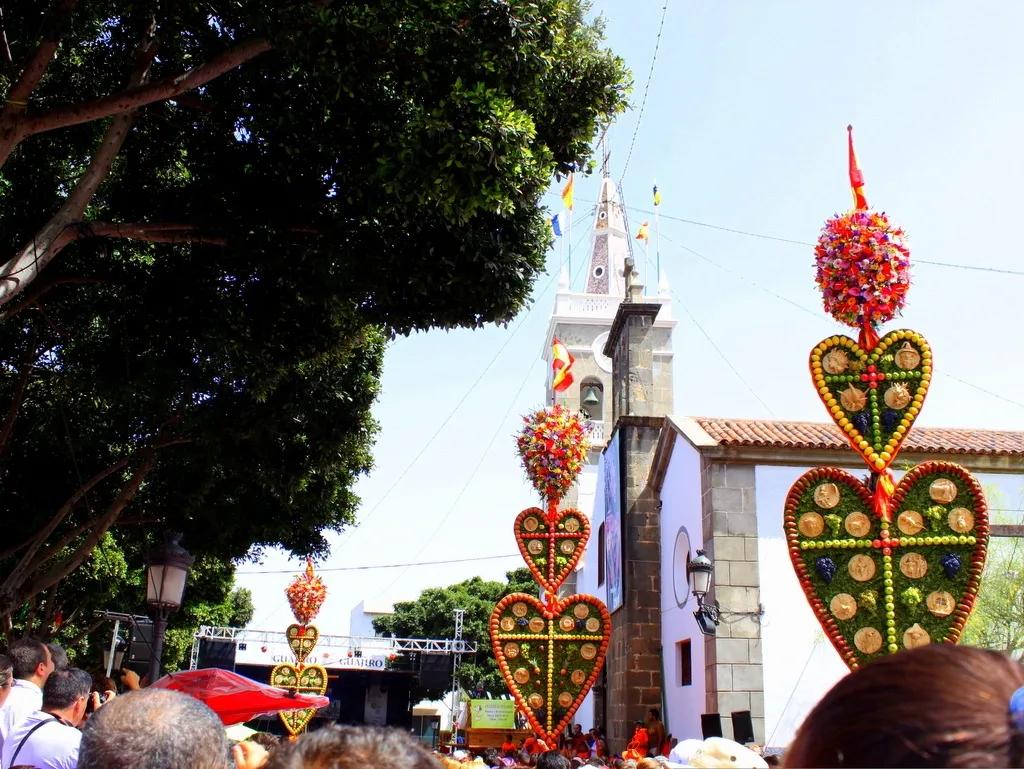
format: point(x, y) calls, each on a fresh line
point(567, 193)
point(644, 233)
point(860, 203)
point(561, 364)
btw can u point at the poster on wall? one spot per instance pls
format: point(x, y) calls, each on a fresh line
point(375, 712)
point(612, 523)
point(493, 714)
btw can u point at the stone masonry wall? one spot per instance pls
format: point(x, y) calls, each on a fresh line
point(734, 676)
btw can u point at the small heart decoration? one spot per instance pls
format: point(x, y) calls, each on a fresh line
point(551, 546)
point(306, 679)
point(873, 395)
point(302, 639)
point(878, 586)
point(550, 656)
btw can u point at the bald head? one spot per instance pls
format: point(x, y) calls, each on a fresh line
point(154, 729)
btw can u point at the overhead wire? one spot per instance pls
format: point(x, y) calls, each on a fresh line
point(647, 87)
point(387, 565)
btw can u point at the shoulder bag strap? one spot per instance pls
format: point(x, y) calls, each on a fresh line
point(14, 758)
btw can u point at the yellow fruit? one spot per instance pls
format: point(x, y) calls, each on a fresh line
point(913, 411)
point(884, 455)
point(879, 463)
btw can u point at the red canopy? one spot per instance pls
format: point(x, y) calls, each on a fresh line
point(236, 698)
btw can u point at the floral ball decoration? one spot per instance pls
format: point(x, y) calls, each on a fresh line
point(306, 595)
point(553, 446)
point(863, 268)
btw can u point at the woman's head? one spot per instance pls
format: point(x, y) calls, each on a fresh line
point(936, 706)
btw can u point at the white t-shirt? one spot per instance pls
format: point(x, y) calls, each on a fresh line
point(53, 745)
point(24, 700)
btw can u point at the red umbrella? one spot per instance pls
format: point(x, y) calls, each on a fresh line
point(236, 698)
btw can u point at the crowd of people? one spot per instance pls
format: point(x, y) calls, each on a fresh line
point(936, 706)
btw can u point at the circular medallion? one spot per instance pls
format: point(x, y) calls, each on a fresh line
point(858, 525)
point(535, 547)
point(536, 625)
point(512, 650)
point(916, 636)
point(940, 603)
point(507, 624)
point(593, 625)
point(521, 676)
point(852, 399)
point(862, 567)
point(826, 496)
point(567, 624)
point(913, 565)
point(578, 677)
point(572, 525)
point(811, 525)
point(843, 606)
point(836, 362)
point(567, 546)
point(907, 357)
point(581, 610)
point(530, 523)
point(535, 701)
point(519, 609)
point(867, 640)
point(588, 651)
point(942, 491)
point(897, 396)
point(961, 520)
point(564, 699)
point(910, 522)
point(603, 361)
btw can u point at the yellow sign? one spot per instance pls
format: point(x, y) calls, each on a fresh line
point(492, 714)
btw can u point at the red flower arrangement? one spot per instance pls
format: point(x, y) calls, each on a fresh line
point(863, 268)
point(306, 594)
point(553, 446)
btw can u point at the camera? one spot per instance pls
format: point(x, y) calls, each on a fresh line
point(89, 708)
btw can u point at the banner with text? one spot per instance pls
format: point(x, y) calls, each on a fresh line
point(492, 714)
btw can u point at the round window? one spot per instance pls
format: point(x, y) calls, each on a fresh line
point(598, 272)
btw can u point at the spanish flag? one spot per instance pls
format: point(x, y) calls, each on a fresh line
point(860, 203)
point(561, 364)
point(567, 193)
point(645, 233)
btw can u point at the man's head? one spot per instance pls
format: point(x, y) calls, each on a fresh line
point(58, 655)
point(577, 730)
point(66, 693)
point(6, 677)
point(552, 760)
point(654, 714)
point(31, 660)
point(154, 729)
point(351, 747)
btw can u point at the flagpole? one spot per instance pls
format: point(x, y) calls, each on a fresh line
point(568, 235)
point(657, 232)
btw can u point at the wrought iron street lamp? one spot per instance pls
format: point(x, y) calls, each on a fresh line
point(700, 569)
point(167, 568)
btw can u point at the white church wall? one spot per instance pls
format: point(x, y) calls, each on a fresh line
point(680, 538)
point(591, 504)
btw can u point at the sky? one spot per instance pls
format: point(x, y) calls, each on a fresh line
point(744, 128)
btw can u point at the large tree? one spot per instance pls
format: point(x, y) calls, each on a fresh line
point(432, 615)
point(214, 216)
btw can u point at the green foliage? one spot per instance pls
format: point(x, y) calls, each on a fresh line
point(432, 615)
point(378, 171)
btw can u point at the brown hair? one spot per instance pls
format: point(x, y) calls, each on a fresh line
point(936, 706)
point(648, 763)
point(353, 747)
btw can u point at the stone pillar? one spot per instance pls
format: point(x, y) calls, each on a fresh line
point(733, 673)
point(630, 345)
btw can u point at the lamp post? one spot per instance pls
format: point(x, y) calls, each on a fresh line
point(167, 568)
point(699, 571)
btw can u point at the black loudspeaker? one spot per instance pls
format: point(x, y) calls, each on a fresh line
point(140, 648)
point(711, 725)
point(435, 671)
point(217, 654)
point(742, 727)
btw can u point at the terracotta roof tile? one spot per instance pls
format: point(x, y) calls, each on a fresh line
point(818, 435)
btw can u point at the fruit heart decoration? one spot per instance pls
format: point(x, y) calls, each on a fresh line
point(873, 395)
point(549, 655)
point(305, 679)
point(301, 640)
point(878, 586)
point(551, 545)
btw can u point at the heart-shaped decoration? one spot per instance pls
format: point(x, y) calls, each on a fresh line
point(550, 657)
point(878, 586)
point(551, 547)
point(302, 639)
point(306, 679)
point(873, 395)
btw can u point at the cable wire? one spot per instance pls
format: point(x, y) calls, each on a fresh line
point(643, 101)
point(387, 566)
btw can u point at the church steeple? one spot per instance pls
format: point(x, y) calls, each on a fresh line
point(610, 244)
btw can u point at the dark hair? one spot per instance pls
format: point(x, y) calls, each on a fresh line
point(6, 671)
point(935, 706)
point(772, 760)
point(27, 654)
point(153, 729)
point(552, 759)
point(265, 739)
point(656, 713)
point(63, 688)
point(355, 747)
point(58, 655)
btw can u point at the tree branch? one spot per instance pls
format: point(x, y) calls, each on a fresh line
point(39, 62)
point(5, 48)
point(152, 233)
point(35, 296)
point(160, 90)
point(18, 397)
point(96, 624)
